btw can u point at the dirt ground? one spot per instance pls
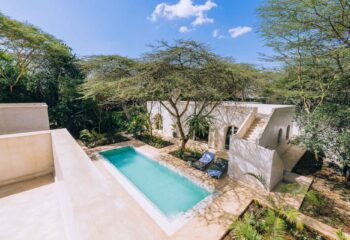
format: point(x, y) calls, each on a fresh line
point(331, 187)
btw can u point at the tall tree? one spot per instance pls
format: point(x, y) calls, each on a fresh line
point(103, 78)
point(311, 39)
point(28, 47)
point(176, 74)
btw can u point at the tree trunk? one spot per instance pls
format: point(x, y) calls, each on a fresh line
point(183, 138)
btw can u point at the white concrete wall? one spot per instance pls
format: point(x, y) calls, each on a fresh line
point(24, 156)
point(23, 117)
point(279, 119)
point(247, 157)
point(223, 115)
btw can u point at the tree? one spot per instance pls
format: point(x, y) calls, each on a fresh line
point(102, 84)
point(311, 40)
point(36, 67)
point(176, 74)
point(28, 47)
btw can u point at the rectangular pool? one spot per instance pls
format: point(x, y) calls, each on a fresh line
point(172, 193)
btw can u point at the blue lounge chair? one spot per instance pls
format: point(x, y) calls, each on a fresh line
point(204, 161)
point(218, 168)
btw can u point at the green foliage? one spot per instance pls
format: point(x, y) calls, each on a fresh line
point(138, 125)
point(154, 141)
point(93, 139)
point(310, 39)
point(187, 154)
point(199, 124)
point(274, 226)
point(326, 132)
point(342, 236)
point(243, 229)
point(315, 200)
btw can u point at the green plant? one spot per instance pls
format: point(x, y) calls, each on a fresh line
point(342, 236)
point(243, 229)
point(138, 125)
point(92, 138)
point(274, 226)
point(315, 200)
point(199, 124)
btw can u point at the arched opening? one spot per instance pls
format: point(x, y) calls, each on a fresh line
point(158, 122)
point(230, 131)
point(279, 138)
point(287, 133)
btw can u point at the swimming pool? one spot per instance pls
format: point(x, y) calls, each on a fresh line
point(171, 193)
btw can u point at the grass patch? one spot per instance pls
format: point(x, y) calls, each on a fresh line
point(93, 139)
point(154, 141)
point(262, 223)
point(187, 155)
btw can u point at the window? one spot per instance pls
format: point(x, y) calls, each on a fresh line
point(287, 133)
point(279, 139)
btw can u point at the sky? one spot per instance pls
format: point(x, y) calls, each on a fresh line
point(128, 27)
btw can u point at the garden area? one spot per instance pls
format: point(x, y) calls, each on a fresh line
point(259, 222)
point(328, 198)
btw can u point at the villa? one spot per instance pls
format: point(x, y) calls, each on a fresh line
point(254, 137)
point(51, 189)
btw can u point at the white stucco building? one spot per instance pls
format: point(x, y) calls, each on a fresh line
point(255, 136)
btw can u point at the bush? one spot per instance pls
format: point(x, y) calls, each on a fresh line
point(138, 125)
point(187, 155)
point(154, 141)
point(93, 139)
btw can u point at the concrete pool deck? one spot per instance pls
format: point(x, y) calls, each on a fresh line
point(209, 223)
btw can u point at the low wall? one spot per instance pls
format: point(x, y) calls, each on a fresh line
point(24, 156)
point(247, 157)
point(86, 200)
point(23, 117)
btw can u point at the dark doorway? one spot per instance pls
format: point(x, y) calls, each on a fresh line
point(230, 131)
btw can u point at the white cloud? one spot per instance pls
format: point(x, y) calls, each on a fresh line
point(216, 34)
point(184, 29)
point(238, 31)
point(184, 9)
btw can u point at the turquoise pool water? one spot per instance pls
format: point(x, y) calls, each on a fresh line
point(170, 192)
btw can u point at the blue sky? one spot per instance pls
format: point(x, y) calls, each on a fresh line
point(126, 27)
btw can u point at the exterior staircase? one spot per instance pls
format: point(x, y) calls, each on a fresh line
point(255, 129)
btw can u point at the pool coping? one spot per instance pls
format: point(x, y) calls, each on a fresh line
point(168, 226)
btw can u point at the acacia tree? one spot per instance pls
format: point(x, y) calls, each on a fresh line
point(311, 39)
point(104, 75)
point(28, 47)
point(178, 74)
